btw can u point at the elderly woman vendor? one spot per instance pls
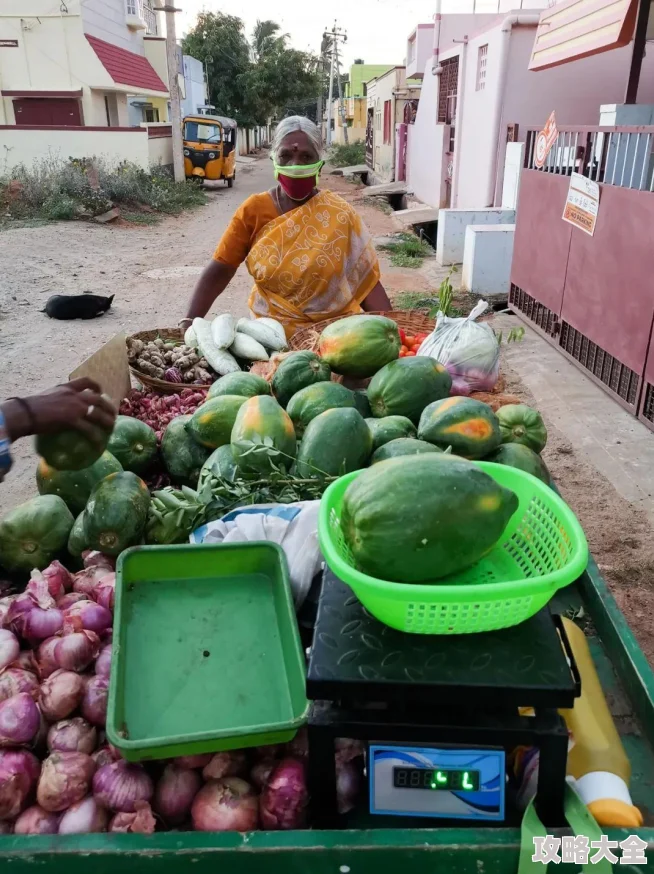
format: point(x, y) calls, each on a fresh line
point(309, 253)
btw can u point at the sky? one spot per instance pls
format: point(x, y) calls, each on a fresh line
point(367, 36)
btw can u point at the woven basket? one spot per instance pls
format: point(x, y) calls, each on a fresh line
point(411, 321)
point(161, 386)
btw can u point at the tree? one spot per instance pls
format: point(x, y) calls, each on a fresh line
point(264, 39)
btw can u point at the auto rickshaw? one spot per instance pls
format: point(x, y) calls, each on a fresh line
point(210, 148)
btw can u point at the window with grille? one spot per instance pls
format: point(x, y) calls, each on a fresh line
point(448, 89)
point(482, 57)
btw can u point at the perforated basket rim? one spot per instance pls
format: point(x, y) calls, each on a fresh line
point(454, 592)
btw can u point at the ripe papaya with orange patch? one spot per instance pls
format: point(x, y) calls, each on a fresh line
point(359, 346)
point(263, 436)
point(470, 427)
point(211, 424)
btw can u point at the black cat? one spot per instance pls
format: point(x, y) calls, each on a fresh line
point(77, 306)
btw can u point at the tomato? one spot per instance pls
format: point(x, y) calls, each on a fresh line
point(420, 338)
point(402, 336)
point(404, 348)
point(402, 354)
point(411, 352)
point(410, 340)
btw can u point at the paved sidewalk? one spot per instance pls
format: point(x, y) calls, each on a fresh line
point(613, 440)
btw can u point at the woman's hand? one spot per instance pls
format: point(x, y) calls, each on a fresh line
point(78, 404)
point(213, 281)
point(377, 301)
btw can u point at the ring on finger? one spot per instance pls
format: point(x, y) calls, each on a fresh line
point(89, 412)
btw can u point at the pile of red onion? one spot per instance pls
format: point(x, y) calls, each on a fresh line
point(58, 775)
point(158, 411)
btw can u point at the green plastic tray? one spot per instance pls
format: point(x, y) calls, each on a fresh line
point(542, 549)
point(206, 651)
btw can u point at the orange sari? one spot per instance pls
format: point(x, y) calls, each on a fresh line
point(310, 264)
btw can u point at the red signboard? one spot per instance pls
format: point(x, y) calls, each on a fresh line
point(575, 29)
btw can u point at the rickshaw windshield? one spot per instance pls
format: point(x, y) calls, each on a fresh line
point(201, 132)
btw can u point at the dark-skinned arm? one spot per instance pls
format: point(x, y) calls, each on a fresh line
point(377, 300)
point(215, 278)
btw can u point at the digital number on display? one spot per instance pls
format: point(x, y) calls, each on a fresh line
point(425, 778)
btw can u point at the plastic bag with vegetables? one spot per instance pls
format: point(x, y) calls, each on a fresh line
point(470, 351)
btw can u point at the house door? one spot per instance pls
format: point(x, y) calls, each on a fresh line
point(369, 136)
point(48, 111)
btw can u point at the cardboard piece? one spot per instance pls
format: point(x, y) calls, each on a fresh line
point(109, 368)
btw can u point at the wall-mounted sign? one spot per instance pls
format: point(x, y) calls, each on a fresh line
point(582, 203)
point(544, 141)
point(8, 43)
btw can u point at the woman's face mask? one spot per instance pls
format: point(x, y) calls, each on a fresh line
point(298, 180)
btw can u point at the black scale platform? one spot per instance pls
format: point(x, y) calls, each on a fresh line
point(370, 682)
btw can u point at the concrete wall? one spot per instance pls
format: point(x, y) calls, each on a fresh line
point(28, 146)
point(160, 149)
point(452, 224)
point(420, 47)
point(106, 19)
point(426, 147)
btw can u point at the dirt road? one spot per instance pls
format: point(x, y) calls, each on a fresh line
point(150, 269)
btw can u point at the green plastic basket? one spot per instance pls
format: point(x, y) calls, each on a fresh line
point(543, 548)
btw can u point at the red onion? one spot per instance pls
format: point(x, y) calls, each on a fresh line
point(284, 799)
point(260, 773)
point(225, 805)
point(65, 779)
point(92, 615)
point(83, 818)
point(348, 785)
point(9, 648)
point(6, 828)
point(84, 582)
point(105, 755)
point(69, 599)
point(121, 786)
point(105, 591)
point(38, 624)
point(226, 764)
point(20, 720)
point(141, 822)
point(61, 694)
point(103, 662)
point(36, 821)
point(26, 661)
point(39, 591)
point(76, 650)
point(58, 578)
point(19, 771)
point(198, 761)
point(13, 681)
point(5, 604)
point(93, 558)
point(18, 610)
point(175, 792)
point(45, 657)
point(94, 701)
point(72, 736)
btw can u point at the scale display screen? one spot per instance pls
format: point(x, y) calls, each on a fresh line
point(447, 782)
point(425, 778)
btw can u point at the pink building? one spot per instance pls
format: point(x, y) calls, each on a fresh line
point(480, 94)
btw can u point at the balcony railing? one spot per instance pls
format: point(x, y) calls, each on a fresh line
point(150, 18)
point(620, 156)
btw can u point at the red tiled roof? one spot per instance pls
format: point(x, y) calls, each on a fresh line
point(126, 68)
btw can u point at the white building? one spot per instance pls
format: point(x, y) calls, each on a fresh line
point(195, 86)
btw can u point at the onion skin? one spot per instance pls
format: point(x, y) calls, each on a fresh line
point(103, 662)
point(105, 755)
point(93, 616)
point(83, 818)
point(225, 805)
point(199, 761)
point(93, 558)
point(45, 657)
point(105, 591)
point(20, 720)
point(61, 695)
point(26, 661)
point(69, 599)
point(9, 648)
point(121, 786)
point(64, 780)
point(225, 764)
point(36, 821)
point(141, 822)
point(16, 680)
point(76, 650)
point(94, 701)
point(175, 792)
point(72, 736)
point(39, 624)
point(19, 771)
point(58, 578)
point(285, 798)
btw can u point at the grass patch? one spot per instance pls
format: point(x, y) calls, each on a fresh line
point(141, 218)
point(56, 191)
point(340, 155)
point(407, 251)
point(440, 302)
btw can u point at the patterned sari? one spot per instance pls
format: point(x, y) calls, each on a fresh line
point(312, 263)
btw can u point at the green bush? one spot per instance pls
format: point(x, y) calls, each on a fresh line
point(340, 155)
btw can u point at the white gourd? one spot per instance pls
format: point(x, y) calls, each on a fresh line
point(189, 337)
point(223, 330)
point(265, 334)
point(221, 361)
point(247, 347)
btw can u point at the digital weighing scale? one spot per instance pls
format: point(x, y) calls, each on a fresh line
point(438, 714)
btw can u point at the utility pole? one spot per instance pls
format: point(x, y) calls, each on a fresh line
point(173, 84)
point(341, 105)
point(335, 35)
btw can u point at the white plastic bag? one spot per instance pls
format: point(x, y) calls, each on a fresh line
point(293, 526)
point(469, 351)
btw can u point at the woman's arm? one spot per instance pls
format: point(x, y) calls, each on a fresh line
point(377, 300)
point(215, 278)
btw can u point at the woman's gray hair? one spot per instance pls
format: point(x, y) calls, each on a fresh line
point(291, 125)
